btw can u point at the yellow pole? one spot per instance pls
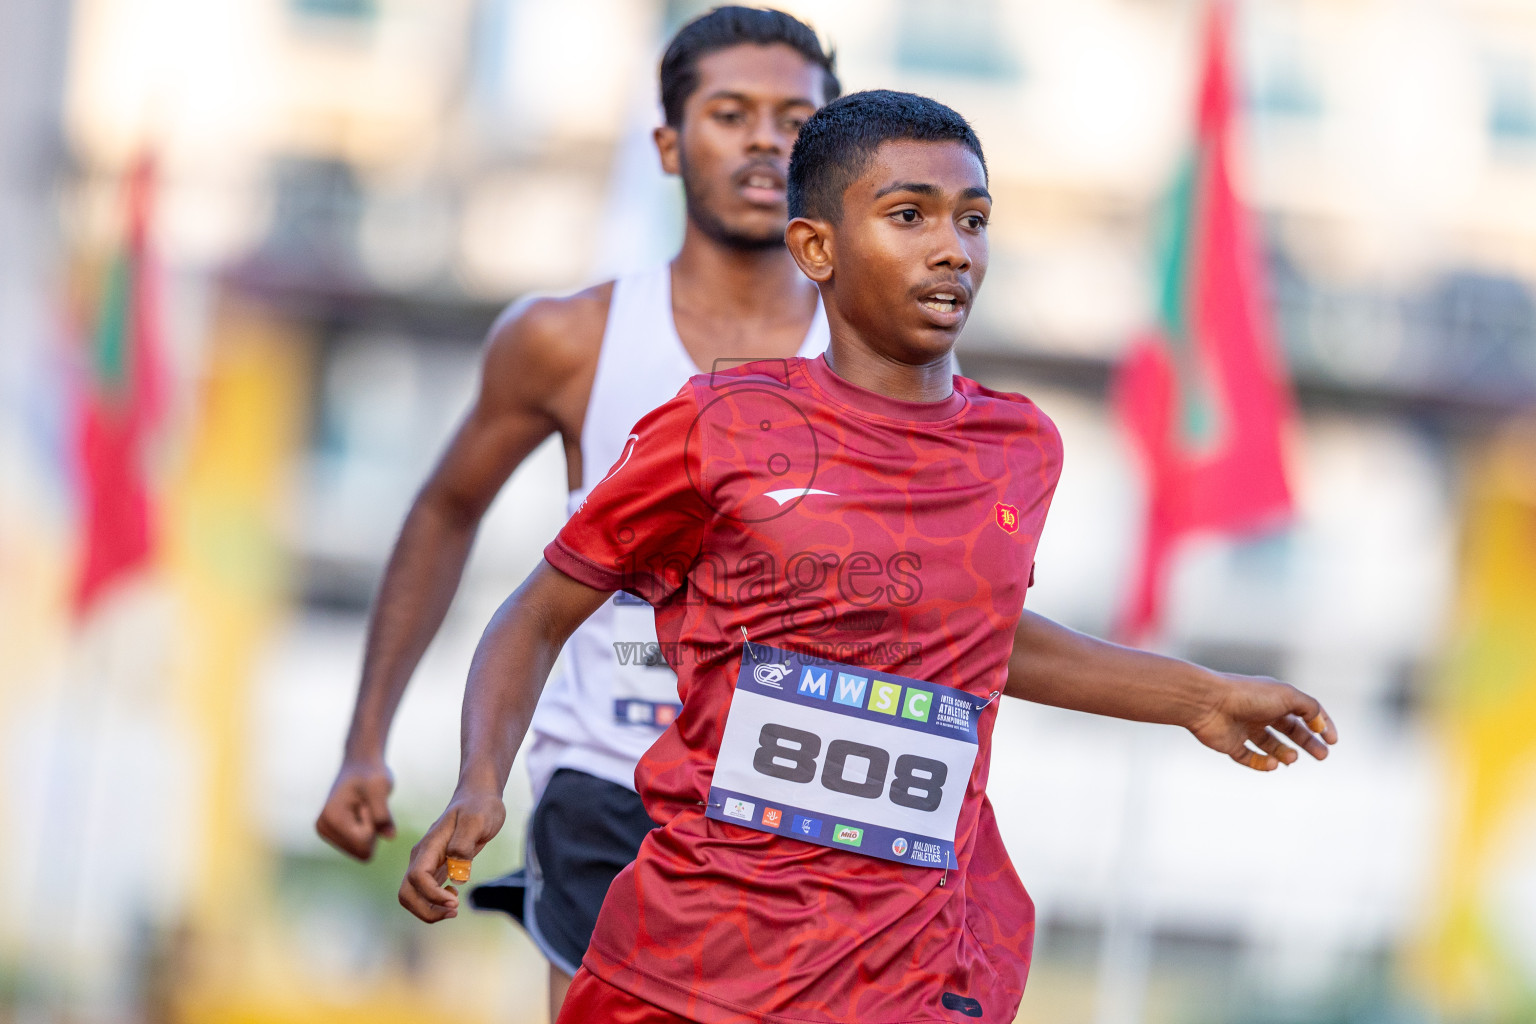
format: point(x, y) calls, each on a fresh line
point(1488, 721)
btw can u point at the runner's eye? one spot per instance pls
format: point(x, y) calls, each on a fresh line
point(907, 216)
point(730, 117)
point(975, 221)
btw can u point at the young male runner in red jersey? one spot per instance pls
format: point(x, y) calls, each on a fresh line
point(869, 521)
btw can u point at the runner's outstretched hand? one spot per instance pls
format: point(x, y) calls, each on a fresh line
point(1265, 713)
point(356, 813)
point(1054, 665)
point(471, 821)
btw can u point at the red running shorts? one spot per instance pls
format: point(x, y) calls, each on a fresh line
point(593, 1001)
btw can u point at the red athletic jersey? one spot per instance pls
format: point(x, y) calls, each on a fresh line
point(823, 518)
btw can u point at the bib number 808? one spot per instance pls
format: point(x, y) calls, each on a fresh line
point(790, 754)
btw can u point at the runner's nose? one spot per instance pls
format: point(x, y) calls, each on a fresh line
point(949, 250)
point(766, 136)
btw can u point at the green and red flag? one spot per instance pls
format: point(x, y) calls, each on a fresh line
point(1204, 394)
point(118, 402)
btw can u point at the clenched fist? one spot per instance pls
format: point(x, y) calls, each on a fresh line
point(356, 813)
point(471, 820)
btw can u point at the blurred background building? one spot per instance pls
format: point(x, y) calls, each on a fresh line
point(346, 192)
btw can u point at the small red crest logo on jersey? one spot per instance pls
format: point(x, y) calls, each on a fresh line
point(1007, 518)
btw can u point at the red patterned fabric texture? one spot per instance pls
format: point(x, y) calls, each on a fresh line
point(824, 518)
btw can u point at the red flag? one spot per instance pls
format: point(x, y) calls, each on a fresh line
point(1204, 394)
point(119, 401)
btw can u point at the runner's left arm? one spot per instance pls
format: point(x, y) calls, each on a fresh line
point(506, 676)
point(1249, 718)
point(637, 530)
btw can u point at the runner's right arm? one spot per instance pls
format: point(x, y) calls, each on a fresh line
point(639, 530)
point(537, 373)
point(506, 677)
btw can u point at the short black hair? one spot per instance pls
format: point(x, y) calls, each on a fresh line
point(839, 140)
point(725, 27)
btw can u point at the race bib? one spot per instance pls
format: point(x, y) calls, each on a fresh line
point(845, 757)
point(644, 685)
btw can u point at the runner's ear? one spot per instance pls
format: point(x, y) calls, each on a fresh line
point(810, 243)
point(665, 138)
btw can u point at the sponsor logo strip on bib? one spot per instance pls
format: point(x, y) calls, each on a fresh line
point(845, 757)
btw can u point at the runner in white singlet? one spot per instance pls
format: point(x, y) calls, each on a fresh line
point(736, 85)
point(615, 694)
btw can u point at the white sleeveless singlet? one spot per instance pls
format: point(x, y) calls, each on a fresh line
point(614, 694)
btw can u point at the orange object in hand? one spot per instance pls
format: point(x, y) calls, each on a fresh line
point(458, 870)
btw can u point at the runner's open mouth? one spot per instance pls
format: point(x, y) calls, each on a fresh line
point(761, 183)
point(943, 301)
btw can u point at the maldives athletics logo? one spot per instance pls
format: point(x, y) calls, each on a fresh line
point(1007, 517)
